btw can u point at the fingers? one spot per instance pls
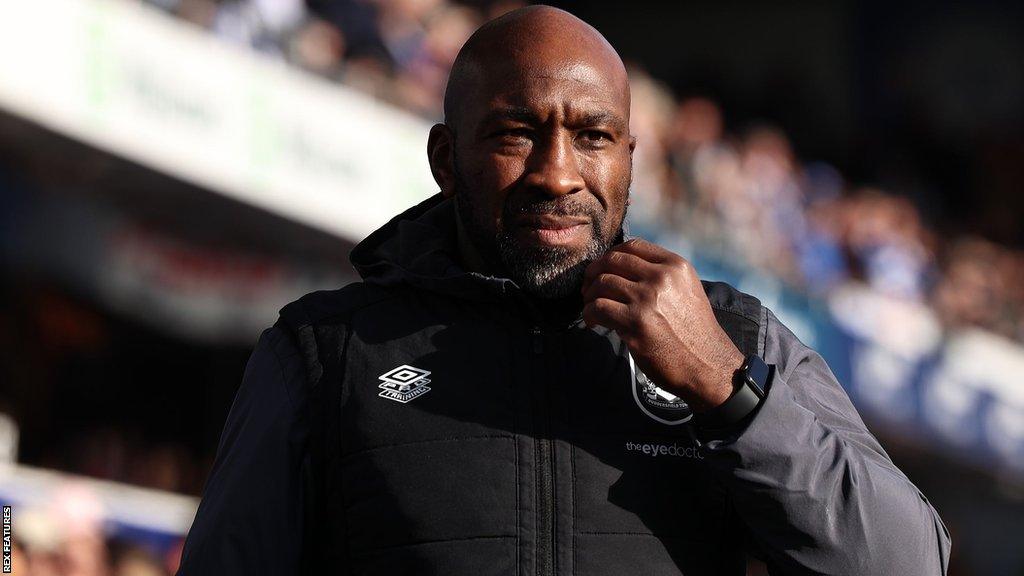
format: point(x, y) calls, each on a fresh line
point(634, 260)
point(610, 286)
point(608, 313)
point(648, 251)
point(624, 264)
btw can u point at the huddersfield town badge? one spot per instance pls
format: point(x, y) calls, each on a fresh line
point(660, 405)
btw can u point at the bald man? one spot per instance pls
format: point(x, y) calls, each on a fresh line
point(514, 388)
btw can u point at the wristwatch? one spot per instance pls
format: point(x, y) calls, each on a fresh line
point(750, 385)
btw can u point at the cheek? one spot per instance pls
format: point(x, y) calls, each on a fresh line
point(491, 179)
point(502, 171)
point(608, 179)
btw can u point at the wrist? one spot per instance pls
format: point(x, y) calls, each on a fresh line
point(751, 383)
point(717, 381)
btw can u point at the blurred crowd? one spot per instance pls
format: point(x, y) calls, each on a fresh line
point(748, 198)
point(397, 50)
point(745, 194)
point(68, 537)
point(742, 195)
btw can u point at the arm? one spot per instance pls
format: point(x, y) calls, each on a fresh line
point(814, 487)
point(251, 516)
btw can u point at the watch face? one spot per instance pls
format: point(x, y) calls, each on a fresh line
point(657, 403)
point(757, 374)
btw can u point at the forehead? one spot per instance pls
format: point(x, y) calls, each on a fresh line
point(570, 85)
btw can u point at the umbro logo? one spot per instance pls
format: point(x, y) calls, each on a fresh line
point(404, 383)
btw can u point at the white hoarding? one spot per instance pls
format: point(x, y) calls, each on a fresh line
point(125, 77)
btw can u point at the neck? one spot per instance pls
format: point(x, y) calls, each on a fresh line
point(470, 256)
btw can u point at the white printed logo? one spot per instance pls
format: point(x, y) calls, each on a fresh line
point(660, 405)
point(404, 383)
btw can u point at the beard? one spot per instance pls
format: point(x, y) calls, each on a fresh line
point(548, 272)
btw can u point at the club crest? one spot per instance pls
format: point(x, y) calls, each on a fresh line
point(660, 405)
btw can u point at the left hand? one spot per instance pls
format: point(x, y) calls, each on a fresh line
point(655, 302)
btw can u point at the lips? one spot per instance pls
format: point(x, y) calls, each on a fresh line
point(552, 229)
point(550, 221)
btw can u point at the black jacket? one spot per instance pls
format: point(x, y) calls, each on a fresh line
point(456, 433)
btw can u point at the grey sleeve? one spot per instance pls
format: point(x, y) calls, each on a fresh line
point(815, 489)
point(250, 518)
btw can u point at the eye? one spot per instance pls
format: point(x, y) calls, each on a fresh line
point(512, 133)
point(595, 138)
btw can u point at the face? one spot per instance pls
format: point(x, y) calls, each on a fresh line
point(541, 167)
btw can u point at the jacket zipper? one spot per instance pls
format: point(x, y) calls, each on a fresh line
point(545, 473)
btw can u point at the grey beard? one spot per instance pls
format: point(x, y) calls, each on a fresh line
point(548, 272)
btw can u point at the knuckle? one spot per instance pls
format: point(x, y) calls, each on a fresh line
point(634, 321)
point(648, 290)
point(661, 282)
point(648, 293)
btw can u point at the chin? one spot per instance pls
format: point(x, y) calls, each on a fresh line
point(555, 274)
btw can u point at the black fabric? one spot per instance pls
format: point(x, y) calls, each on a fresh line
point(530, 450)
point(456, 472)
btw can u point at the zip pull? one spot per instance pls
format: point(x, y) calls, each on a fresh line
point(538, 341)
point(693, 436)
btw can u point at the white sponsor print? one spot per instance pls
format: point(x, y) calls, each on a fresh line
point(669, 450)
point(404, 383)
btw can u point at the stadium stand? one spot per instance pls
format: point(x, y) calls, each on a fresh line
point(133, 132)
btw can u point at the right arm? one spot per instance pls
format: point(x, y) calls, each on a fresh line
point(250, 519)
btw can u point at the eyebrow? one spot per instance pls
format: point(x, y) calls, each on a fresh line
point(517, 113)
point(603, 117)
point(525, 115)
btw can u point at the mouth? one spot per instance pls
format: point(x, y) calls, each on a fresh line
point(552, 229)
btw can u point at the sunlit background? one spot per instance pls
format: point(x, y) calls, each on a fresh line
point(172, 172)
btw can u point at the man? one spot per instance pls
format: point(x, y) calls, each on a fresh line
point(515, 389)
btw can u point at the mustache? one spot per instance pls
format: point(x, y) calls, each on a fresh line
point(563, 206)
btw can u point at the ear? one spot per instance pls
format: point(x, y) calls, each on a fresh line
point(629, 191)
point(441, 155)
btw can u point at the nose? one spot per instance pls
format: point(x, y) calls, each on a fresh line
point(553, 168)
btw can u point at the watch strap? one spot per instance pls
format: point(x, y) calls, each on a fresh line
point(751, 381)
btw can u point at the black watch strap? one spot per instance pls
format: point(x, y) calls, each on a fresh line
point(751, 383)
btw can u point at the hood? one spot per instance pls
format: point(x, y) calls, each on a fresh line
point(419, 247)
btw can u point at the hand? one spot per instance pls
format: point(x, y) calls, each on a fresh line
point(655, 302)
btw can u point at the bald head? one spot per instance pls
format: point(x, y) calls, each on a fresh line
point(533, 41)
point(536, 149)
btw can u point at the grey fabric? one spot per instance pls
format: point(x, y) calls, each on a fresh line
point(817, 492)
